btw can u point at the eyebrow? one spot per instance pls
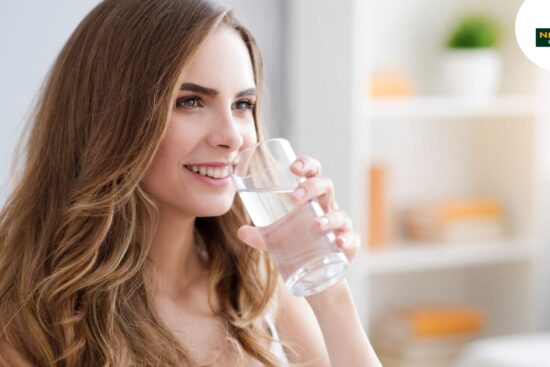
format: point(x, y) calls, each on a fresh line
point(247, 92)
point(192, 87)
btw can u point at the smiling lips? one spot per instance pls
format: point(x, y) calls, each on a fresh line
point(216, 172)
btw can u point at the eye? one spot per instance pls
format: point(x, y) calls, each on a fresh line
point(244, 105)
point(188, 102)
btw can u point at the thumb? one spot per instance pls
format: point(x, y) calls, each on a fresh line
point(252, 237)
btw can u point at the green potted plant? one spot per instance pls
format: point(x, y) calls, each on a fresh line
point(471, 64)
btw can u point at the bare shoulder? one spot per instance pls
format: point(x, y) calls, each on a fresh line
point(9, 357)
point(298, 328)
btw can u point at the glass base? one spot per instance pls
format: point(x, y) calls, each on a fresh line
point(318, 275)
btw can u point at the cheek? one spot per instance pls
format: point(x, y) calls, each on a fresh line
point(153, 176)
point(164, 165)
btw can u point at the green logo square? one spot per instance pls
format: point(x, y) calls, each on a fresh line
point(543, 37)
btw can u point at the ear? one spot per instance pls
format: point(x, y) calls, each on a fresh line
point(252, 237)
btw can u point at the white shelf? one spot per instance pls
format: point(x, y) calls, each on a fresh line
point(429, 107)
point(411, 257)
point(452, 147)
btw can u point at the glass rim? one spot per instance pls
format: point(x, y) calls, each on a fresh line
point(235, 162)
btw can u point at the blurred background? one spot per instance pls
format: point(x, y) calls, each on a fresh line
point(434, 128)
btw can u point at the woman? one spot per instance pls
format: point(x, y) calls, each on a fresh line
point(113, 252)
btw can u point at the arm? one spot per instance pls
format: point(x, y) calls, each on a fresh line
point(324, 329)
point(299, 330)
point(345, 340)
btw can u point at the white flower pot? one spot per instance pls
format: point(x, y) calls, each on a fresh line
point(471, 72)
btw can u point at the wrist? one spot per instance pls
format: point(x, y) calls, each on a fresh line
point(336, 293)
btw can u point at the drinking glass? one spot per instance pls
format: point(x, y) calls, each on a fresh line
point(308, 259)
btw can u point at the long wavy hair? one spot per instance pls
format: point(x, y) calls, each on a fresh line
point(75, 278)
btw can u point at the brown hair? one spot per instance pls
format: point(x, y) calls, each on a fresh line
point(76, 230)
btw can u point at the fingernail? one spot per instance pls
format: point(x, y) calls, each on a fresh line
point(323, 221)
point(298, 194)
point(298, 164)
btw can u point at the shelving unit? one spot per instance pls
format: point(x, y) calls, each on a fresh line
point(415, 257)
point(434, 146)
point(431, 107)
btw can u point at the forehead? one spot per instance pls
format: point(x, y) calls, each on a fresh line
point(221, 62)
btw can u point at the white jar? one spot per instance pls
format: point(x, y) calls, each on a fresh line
point(471, 72)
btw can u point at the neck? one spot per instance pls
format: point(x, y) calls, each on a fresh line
point(177, 264)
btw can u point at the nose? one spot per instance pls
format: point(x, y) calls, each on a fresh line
point(226, 132)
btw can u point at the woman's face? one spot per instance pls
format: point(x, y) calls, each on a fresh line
point(211, 121)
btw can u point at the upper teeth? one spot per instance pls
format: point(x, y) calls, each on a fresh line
point(222, 172)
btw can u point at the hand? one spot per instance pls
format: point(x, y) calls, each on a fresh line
point(322, 188)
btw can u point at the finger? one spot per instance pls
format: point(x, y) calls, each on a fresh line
point(318, 187)
point(252, 237)
point(349, 243)
point(306, 166)
point(336, 220)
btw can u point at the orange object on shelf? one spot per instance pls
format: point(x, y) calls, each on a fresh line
point(378, 208)
point(390, 85)
point(466, 209)
point(455, 221)
point(428, 336)
point(443, 320)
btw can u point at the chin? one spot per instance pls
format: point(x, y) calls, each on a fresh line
point(213, 213)
point(214, 209)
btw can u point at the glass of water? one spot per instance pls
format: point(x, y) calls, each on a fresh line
point(308, 260)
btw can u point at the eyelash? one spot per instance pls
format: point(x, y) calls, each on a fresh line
point(249, 103)
point(180, 102)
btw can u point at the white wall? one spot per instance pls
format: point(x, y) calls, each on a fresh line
point(320, 95)
point(32, 32)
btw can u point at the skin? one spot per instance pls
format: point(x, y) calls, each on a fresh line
point(323, 328)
